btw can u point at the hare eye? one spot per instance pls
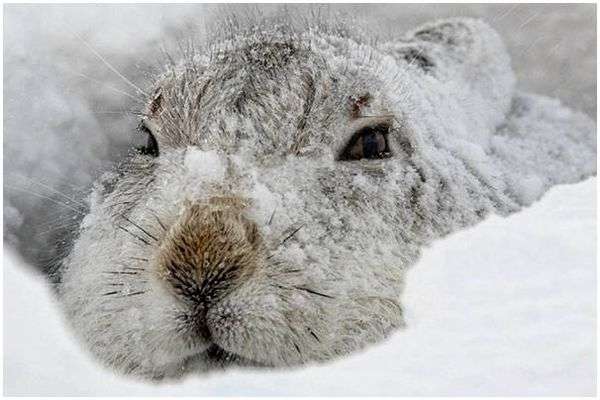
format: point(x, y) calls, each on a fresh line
point(370, 142)
point(151, 146)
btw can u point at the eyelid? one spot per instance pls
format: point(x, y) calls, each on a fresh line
point(367, 121)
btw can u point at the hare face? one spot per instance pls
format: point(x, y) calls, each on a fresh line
point(287, 183)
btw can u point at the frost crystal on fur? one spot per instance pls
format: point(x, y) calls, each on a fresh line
point(258, 121)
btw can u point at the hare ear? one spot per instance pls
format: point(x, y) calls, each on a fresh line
point(431, 44)
point(455, 34)
point(465, 50)
point(413, 55)
point(440, 44)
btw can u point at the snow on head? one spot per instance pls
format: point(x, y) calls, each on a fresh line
point(204, 166)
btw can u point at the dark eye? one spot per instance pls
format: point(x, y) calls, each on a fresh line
point(370, 142)
point(151, 147)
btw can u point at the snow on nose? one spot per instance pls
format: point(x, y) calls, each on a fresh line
point(205, 166)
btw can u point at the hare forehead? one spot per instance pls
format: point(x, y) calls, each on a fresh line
point(291, 91)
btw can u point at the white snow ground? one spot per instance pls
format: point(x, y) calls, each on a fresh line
point(505, 308)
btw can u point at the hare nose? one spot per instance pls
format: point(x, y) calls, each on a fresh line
point(209, 251)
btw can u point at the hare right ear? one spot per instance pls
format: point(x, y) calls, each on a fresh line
point(465, 51)
point(454, 34)
point(456, 43)
point(430, 46)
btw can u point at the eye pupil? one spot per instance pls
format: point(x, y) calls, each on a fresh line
point(369, 143)
point(373, 143)
point(151, 147)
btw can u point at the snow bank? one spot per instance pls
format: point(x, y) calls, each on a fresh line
point(505, 308)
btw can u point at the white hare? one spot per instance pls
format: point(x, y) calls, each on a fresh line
point(290, 178)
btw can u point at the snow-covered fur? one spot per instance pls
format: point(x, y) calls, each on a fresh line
point(250, 132)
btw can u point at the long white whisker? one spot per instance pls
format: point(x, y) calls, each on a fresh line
point(46, 197)
point(102, 83)
point(109, 65)
point(57, 192)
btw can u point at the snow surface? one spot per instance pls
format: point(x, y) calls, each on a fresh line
point(505, 308)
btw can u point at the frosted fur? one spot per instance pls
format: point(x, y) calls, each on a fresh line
point(263, 117)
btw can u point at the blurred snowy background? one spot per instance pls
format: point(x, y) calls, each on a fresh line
point(505, 308)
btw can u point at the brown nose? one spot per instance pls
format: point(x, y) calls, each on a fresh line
point(210, 250)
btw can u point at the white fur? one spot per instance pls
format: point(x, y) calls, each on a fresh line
point(363, 223)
